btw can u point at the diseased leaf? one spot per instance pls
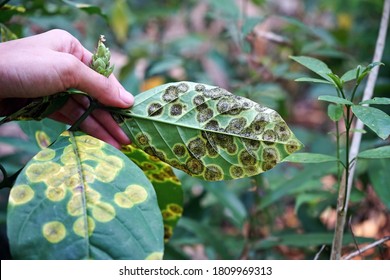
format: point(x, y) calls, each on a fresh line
point(72, 199)
point(381, 152)
point(335, 99)
point(377, 120)
point(206, 131)
point(166, 184)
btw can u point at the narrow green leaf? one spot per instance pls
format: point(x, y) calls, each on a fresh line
point(335, 99)
point(381, 152)
point(377, 120)
point(335, 112)
point(336, 81)
point(367, 70)
point(315, 65)
point(309, 158)
point(377, 101)
point(312, 80)
point(74, 198)
point(206, 131)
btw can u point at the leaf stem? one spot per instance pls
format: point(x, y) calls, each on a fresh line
point(92, 106)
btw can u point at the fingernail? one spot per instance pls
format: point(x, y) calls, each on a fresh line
point(126, 97)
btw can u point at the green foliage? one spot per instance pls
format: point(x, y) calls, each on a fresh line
point(62, 208)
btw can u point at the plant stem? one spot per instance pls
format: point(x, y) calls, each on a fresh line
point(347, 178)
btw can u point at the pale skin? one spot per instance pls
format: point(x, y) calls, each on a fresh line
point(55, 61)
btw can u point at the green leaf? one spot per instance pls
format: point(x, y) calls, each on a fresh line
point(315, 65)
point(335, 112)
point(378, 171)
point(377, 120)
point(336, 80)
point(335, 99)
point(83, 199)
point(350, 75)
point(309, 158)
point(120, 19)
point(381, 152)
point(206, 131)
point(312, 80)
point(166, 184)
point(377, 101)
point(367, 70)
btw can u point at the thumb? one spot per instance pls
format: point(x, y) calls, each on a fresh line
point(108, 91)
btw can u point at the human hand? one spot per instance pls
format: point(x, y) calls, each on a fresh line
point(55, 61)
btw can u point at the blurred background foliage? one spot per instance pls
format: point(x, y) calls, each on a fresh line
point(243, 46)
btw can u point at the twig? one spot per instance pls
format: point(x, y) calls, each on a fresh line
point(345, 188)
point(362, 250)
point(316, 257)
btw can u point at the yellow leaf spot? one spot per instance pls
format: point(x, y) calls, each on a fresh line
point(88, 173)
point(73, 182)
point(87, 142)
point(21, 194)
point(107, 170)
point(54, 231)
point(103, 212)
point(45, 155)
point(68, 155)
point(92, 196)
point(175, 208)
point(42, 138)
point(81, 229)
point(136, 193)
point(155, 256)
point(38, 172)
point(55, 194)
point(122, 200)
point(92, 154)
point(75, 205)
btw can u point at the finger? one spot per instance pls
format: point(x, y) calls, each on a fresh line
point(105, 120)
point(75, 74)
point(72, 111)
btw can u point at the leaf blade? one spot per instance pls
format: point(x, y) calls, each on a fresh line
point(207, 131)
point(381, 152)
point(309, 158)
point(67, 183)
point(377, 120)
point(335, 99)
